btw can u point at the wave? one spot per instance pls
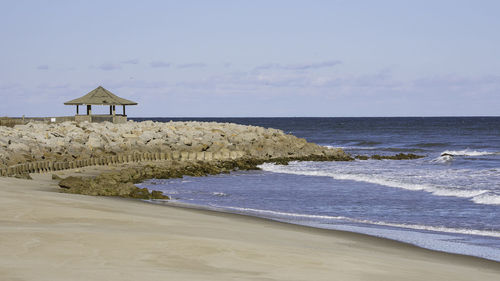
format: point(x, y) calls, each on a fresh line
point(435, 190)
point(468, 152)
point(284, 215)
point(487, 198)
point(443, 159)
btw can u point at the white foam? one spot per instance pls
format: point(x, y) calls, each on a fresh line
point(468, 152)
point(488, 199)
point(381, 180)
point(284, 215)
point(443, 159)
point(277, 213)
point(221, 194)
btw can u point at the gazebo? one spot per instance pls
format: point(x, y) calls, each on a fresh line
point(101, 96)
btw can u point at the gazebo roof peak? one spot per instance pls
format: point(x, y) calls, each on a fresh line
point(100, 96)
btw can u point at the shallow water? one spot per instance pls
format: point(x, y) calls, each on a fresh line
point(449, 203)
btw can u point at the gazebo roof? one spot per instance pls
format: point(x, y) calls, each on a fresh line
point(100, 96)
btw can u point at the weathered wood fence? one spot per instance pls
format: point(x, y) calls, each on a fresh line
point(47, 166)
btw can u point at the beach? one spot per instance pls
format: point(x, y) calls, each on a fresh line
point(249, 140)
point(48, 235)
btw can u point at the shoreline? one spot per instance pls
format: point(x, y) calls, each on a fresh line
point(174, 204)
point(49, 235)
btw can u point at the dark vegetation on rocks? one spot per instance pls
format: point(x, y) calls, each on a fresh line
point(121, 183)
point(107, 185)
point(399, 156)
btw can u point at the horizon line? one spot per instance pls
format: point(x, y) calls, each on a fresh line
point(409, 116)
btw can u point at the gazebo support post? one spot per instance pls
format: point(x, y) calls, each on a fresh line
point(100, 96)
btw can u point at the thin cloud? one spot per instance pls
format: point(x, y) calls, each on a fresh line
point(108, 66)
point(158, 64)
point(299, 66)
point(306, 80)
point(42, 67)
point(192, 65)
point(132, 61)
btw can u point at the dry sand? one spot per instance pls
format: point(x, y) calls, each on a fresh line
point(46, 235)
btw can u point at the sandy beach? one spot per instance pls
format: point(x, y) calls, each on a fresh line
point(47, 235)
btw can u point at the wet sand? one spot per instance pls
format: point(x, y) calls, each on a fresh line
point(47, 235)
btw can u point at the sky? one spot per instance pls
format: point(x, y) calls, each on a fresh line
point(253, 58)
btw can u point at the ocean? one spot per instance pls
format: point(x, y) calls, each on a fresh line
point(447, 201)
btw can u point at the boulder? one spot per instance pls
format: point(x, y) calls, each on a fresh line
point(94, 141)
point(74, 183)
point(18, 147)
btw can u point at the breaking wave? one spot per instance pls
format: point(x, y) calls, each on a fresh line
point(487, 198)
point(468, 152)
point(480, 196)
point(443, 159)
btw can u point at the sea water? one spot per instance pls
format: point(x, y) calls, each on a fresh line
point(448, 201)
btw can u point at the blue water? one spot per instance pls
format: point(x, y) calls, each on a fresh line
point(449, 203)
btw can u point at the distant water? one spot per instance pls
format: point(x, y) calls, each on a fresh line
point(449, 203)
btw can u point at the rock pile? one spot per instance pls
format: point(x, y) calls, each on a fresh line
point(68, 141)
point(121, 183)
point(107, 186)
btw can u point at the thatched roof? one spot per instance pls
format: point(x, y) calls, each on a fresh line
point(100, 96)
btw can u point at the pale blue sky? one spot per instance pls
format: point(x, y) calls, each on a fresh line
point(253, 58)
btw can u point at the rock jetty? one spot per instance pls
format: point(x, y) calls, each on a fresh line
point(70, 141)
point(145, 150)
